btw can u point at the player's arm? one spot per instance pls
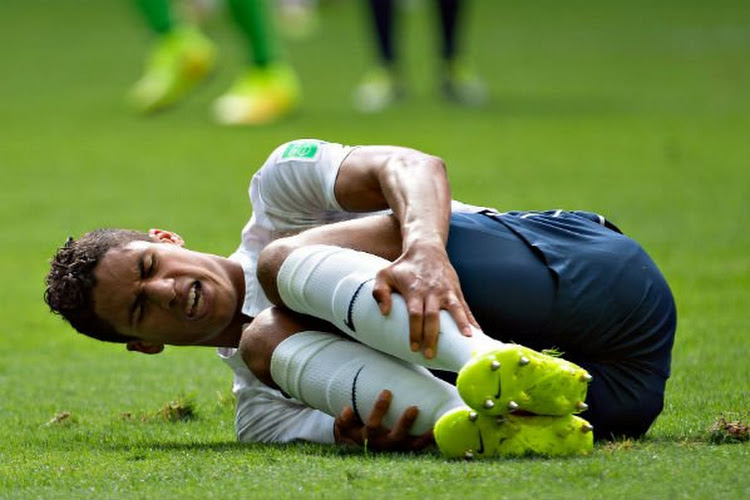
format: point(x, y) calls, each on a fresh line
point(414, 185)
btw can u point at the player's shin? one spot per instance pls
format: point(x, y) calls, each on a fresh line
point(329, 373)
point(336, 284)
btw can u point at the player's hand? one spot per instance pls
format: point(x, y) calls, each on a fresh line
point(348, 429)
point(427, 281)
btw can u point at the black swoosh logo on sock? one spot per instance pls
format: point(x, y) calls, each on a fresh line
point(349, 321)
point(354, 394)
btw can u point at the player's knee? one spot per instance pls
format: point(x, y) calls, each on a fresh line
point(259, 340)
point(625, 249)
point(629, 420)
point(269, 262)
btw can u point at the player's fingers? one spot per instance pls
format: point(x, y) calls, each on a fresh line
point(472, 319)
point(415, 308)
point(375, 419)
point(422, 442)
point(430, 327)
point(469, 314)
point(457, 310)
point(346, 424)
point(381, 292)
point(346, 418)
point(400, 431)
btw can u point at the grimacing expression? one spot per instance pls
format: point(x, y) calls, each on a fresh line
point(163, 293)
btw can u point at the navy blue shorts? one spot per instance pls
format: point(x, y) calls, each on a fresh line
point(571, 281)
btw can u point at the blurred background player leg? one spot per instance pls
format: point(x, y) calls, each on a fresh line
point(298, 19)
point(268, 90)
point(198, 12)
point(381, 85)
point(181, 56)
point(459, 83)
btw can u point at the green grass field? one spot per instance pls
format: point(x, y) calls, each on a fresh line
point(638, 110)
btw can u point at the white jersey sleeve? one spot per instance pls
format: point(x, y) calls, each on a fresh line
point(291, 192)
point(265, 415)
point(294, 189)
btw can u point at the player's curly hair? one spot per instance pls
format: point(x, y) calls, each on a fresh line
point(71, 280)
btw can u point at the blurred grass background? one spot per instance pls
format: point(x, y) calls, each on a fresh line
point(638, 110)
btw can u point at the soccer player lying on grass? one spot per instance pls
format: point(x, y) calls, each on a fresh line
point(404, 288)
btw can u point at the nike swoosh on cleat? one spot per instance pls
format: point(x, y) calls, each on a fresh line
point(499, 387)
point(480, 450)
point(349, 322)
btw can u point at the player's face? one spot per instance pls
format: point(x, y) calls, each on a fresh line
point(165, 294)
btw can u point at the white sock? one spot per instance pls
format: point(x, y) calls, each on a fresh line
point(328, 372)
point(335, 284)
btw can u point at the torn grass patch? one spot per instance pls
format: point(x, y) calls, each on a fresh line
point(61, 418)
point(726, 431)
point(179, 409)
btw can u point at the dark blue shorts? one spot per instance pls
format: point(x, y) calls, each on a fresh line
point(565, 280)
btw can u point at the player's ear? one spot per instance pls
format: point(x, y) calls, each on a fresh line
point(144, 347)
point(163, 236)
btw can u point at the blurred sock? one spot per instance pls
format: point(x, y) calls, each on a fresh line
point(255, 20)
point(383, 17)
point(449, 11)
point(158, 15)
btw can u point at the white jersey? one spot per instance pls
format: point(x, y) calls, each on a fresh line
point(292, 191)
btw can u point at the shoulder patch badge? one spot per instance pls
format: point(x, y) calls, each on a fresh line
point(301, 150)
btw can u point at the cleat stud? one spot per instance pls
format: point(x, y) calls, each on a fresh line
point(586, 428)
point(586, 377)
point(581, 406)
point(472, 416)
point(495, 365)
point(512, 405)
point(523, 361)
point(468, 455)
point(488, 404)
point(500, 420)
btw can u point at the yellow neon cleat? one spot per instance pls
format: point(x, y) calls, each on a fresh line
point(514, 377)
point(464, 433)
point(176, 64)
point(263, 95)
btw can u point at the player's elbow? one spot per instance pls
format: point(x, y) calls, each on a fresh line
point(433, 164)
point(437, 163)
